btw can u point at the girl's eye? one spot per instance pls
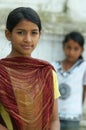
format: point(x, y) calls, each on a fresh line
point(20, 32)
point(76, 49)
point(68, 47)
point(35, 33)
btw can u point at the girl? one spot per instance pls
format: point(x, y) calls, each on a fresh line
point(28, 86)
point(72, 84)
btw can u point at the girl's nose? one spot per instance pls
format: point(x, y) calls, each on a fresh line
point(28, 38)
point(71, 51)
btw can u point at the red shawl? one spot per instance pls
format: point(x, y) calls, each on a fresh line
point(26, 91)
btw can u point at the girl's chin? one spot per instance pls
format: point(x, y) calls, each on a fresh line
point(72, 60)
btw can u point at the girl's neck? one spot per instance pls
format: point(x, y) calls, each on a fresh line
point(66, 65)
point(17, 55)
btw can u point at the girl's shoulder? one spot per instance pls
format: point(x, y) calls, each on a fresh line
point(80, 66)
point(56, 64)
point(83, 63)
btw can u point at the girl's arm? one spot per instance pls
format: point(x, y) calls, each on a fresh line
point(2, 127)
point(84, 94)
point(55, 125)
point(84, 88)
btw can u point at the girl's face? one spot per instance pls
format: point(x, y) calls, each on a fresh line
point(72, 50)
point(24, 38)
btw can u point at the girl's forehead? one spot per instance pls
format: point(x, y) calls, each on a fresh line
point(72, 43)
point(26, 24)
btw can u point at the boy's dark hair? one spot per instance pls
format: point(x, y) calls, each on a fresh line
point(21, 13)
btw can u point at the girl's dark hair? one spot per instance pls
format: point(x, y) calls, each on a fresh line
point(75, 36)
point(21, 13)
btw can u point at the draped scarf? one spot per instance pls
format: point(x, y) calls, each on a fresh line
point(26, 92)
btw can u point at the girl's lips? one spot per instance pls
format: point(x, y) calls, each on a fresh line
point(27, 46)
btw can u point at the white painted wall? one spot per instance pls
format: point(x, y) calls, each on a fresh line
point(77, 10)
point(49, 48)
point(4, 46)
point(74, 7)
point(47, 5)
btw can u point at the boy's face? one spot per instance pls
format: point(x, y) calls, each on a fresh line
point(72, 50)
point(24, 38)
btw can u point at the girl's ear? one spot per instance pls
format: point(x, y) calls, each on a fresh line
point(40, 34)
point(8, 34)
point(82, 50)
